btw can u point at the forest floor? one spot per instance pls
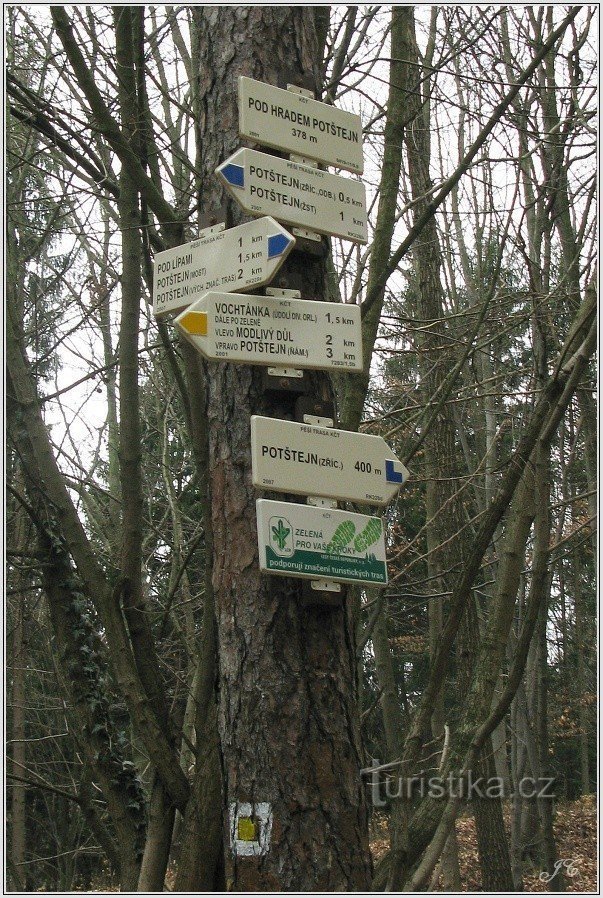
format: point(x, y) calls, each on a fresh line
point(575, 833)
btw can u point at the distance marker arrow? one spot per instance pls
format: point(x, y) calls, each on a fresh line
point(307, 460)
point(246, 256)
point(270, 330)
point(297, 194)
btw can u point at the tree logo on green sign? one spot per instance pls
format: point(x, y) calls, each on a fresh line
point(281, 536)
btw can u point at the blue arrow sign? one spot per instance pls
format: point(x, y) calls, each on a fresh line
point(391, 475)
point(277, 244)
point(234, 174)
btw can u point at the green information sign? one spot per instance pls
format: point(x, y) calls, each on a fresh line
point(320, 543)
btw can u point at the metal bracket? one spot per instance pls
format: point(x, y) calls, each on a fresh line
point(301, 90)
point(321, 502)
point(323, 593)
point(214, 229)
point(325, 585)
point(285, 372)
point(309, 235)
point(308, 407)
point(214, 217)
point(283, 292)
point(276, 370)
point(281, 380)
point(303, 160)
point(318, 420)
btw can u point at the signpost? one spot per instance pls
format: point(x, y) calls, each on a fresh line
point(308, 460)
point(246, 256)
point(297, 194)
point(305, 541)
point(289, 121)
point(267, 330)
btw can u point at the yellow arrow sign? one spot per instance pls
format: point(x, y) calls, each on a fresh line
point(194, 323)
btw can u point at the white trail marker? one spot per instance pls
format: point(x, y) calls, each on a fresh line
point(268, 330)
point(316, 543)
point(308, 460)
point(246, 256)
point(289, 121)
point(297, 194)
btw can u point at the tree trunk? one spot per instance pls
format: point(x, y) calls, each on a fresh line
point(492, 844)
point(517, 770)
point(159, 838)
point(581, 688)
point(444, 510)
point(18, 750)
point(541, 582)
point(295, 813)
point(393, 726)
point(201, 858)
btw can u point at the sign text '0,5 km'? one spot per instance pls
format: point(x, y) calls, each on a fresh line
point(305, 541)
point(286, 120)
point(268, 330)
point(308, 460)
point(296, 194)
point(246, 256)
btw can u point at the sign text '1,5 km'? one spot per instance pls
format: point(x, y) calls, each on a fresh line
point(305, 541)
point(308, 460)
point(246, 256)
point(268, 330)
point(286, 120)
point(296, 194)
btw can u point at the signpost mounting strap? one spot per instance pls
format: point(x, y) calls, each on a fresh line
point(275, 370)
point(303, 160)
point(210, 231)
point(318, 420)
point(321, 502)
point(295, 89)
point(320, 592)
point(309, 235)
point(284, 292)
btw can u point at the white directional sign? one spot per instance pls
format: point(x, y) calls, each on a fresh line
point(286, 120)
point(246, 256)
point(307, 460)
point(296, 194)
point(268, 330)
point(305, 541)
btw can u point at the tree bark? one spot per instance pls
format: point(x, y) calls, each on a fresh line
point(581, 688)
point(159, 839)
point(18, 753)
point(287, 717)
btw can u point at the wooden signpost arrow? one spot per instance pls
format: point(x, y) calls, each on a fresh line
point(290, 121)
point(297, 194)
point(268, 330)
point(309, 460)
point(246, 256)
